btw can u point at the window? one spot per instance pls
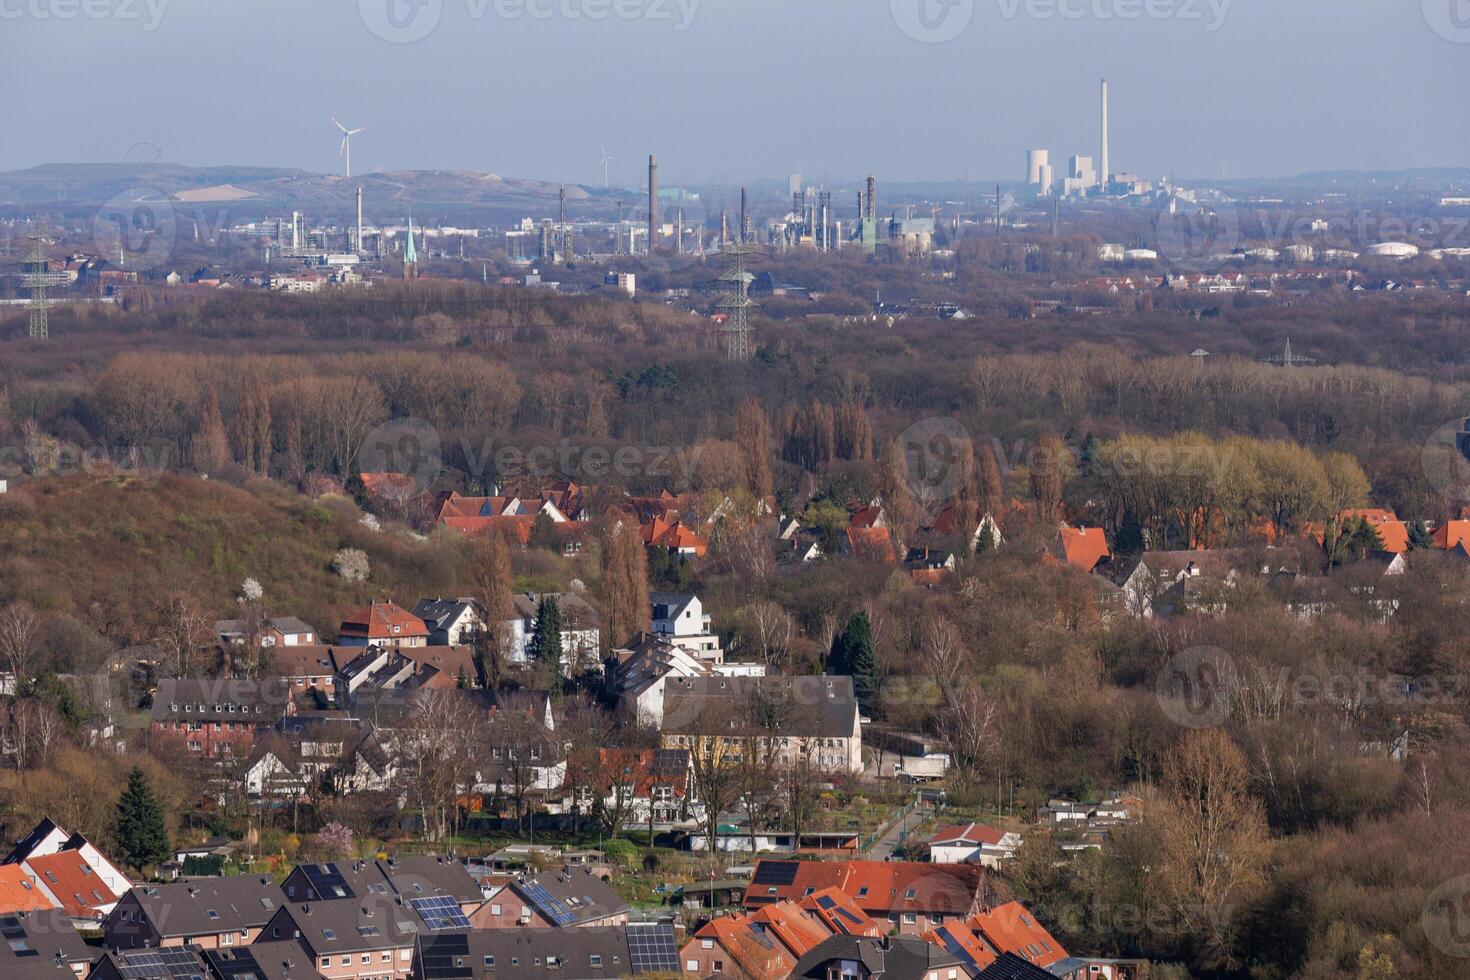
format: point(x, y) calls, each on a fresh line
point(707, 944)
point(909, 894)
point(910, 918)
point(863, 892)
point(326, 962)
point(367, 958)
point(495, 908)
point(346, 961)
point(594, 960)
point(490, 961)
point(691, 966)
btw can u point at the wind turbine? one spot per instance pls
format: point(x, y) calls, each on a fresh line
point(605, 159)
point(346, 149)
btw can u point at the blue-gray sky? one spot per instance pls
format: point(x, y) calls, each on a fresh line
point(750, 88)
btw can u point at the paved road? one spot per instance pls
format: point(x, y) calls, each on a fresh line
point(883, 848)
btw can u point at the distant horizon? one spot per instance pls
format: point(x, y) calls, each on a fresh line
point(912, 90)
point(669, 181)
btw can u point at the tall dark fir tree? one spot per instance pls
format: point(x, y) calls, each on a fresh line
point(142, 832)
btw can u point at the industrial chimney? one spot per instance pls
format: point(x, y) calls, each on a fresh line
point(1104, 174)
point(652, 204)
point(872, 187)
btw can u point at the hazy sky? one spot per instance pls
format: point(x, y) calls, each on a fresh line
point(747, 88)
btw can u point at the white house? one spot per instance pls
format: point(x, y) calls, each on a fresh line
point(580, 632)
point(973, 843)
point(681, 620)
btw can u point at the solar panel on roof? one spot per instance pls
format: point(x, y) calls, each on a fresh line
point(775, 872)
point(173, 964)
point(440, 912)
point(446, 957)
point(548, 905)
point(651, 948)
point(327, 881)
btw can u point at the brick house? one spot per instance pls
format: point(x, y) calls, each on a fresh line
point(216, 717)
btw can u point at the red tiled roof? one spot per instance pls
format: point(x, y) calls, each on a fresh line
point(398, 485)
point(880, 887)
point(76, 886)
point(18, 893)
point(757, 954)
point(867, 516)
point(517, 527)
point(970, 833)
point(1451, 533)
point(1010, 928)
point(786, 921)
point(872, 544)
point(959, 935)
point(383, 621)
point(839, 913)
point(1083, 547)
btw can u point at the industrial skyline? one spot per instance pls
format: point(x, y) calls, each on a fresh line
point(1240, 99)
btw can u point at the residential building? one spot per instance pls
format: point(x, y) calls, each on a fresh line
point(639, 784)
point(287, 631)
point(451, 622)
point(973, 842)
point(216, 717)
point(801, 721)
point(383, 624)
point(681, 620)
point(48, 838)
point(211, 913)
point(889, 958)
point(580, 634)
point(637, 949)
point(380, 670)
point(911, 896)
point(568, 898)
point(42, 945)
point(370, 939)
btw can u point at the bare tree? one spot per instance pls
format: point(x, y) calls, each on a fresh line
point(943, 651)
point(773, 629)
point(181, 630)
point(493, 586)
point(20, 640)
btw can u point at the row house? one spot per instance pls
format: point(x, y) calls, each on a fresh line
point(216, 717)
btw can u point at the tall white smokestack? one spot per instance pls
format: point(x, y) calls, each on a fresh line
point(358, 246)
point(1105, 173)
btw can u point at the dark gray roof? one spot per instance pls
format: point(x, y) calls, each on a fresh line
point(813, 707)
point(284, 960)
point(211, 699)
point(358, 926)
point(668, 605)
point(437, 613)
point(576, 612)
point(570, 896)
point(530, 954)
point(1009, 966)
point(171, 963)
point(890, 958)
point(204, 906)
point(46, 937)
point(419, 877)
